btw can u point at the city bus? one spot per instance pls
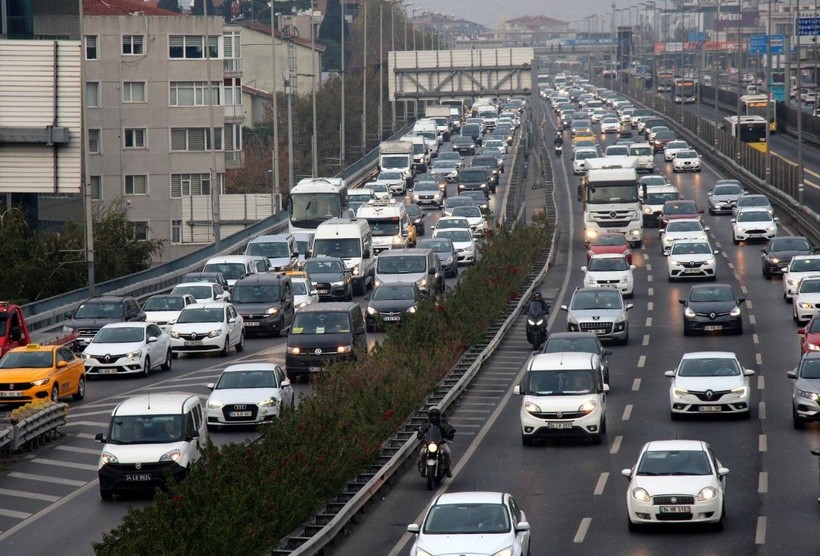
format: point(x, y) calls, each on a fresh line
point(314, 200)
point(756, 105)
point(665, 78)
point(683, 90)
point(751, 130)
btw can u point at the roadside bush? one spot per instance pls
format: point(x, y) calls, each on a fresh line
point(244, 499)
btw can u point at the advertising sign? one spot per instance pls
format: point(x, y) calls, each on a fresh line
point(732, 20)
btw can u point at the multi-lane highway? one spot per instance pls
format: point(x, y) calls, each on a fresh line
point(49, 499)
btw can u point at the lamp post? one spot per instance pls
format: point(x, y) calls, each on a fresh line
point(768, 162)
point(738, 63)
point(315, 85)
point(364, 83)
point(342, 135)
point(613, 54)
point(381, 70)
point(414, 27)
point(799, 120)
point(405, 22)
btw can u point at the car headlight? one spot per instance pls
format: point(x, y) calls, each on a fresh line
point(689, 313)
point(270, 402)
point(173, 455)
point(530, 407)
point(40, 382)
point(215, 333)
point(735, 312)
point(774, 260)
point(504, 552)
point(710, 261)
point(272, 310)
point(108, 457)
point(214, 405)
point(294, 350)
point(707, 493)
point(621, 318)
point(679, 392)
point(804, 305)
point(770, 228)
point(589, 281)
point(422, 282)
point(741, 391)
point(806, 394)
point(134, 355)
point(85, 355)
point(412, 309)
point(377, 283)
point(339, 283)
point(647, 209)
point(812, 347)
point(625, 279)
point(449, 261)
point(344, 349)
point(640, 495)
point(371, 311)
point(302, 304)
point(588, 407)
point(571, 319)
point(173, 334)
point(68, 329)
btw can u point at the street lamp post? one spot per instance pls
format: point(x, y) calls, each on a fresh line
point(381, 70)
point(768, 74)
point(342, 135)
point(799, 119)
point(364, 83)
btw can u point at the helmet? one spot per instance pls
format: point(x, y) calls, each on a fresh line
point(434, 415)
point(537, 296)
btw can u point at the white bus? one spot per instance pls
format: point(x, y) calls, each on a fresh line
point(314, 200)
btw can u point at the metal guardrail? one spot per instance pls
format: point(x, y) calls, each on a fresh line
point(44, 315)
point(39, 426)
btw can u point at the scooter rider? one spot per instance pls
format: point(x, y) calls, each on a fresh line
point(448, 432)
point(559, 139)
point(538, 298)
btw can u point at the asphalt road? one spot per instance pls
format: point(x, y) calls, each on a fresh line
point(49, 499)
point(572, 492)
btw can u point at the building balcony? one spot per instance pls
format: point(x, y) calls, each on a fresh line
point(234, 114)
point(232, 67)
point(234, 160)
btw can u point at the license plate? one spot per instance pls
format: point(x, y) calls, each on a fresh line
point(675, 509)
point(251, 323)
point(11, 394)
point(108, 371)
point(314, 369)
point(709, 409)
point(323, 292)
point(140, 477)
point(559, 425)
point(392, 319)
point(713, 327)
point(691, 271)
point(240, 413)
point(193, 343)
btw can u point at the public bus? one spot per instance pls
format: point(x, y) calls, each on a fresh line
point(683, 90)
point(665, 78)
point(756, 105)
point(751, 130)
point(314, 200)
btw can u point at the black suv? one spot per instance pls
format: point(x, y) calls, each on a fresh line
point(96, 312)
point(265, 302)
point(476, 179)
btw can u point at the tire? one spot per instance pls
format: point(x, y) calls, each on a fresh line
point(166, 366)
point(55, 393)
point(174, 354)
point(766, 273)
point(146, 367)
point(526, 440)
point(735, 240)
point(106, 494)
point(797, 422)
point(430, 480)
point(240, 347)
point(632, 527)
point(80, 394)
point(224, 351)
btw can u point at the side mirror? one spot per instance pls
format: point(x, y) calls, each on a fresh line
point(231, 321)
point(700, 211)
point(62, 364)
point(776, 219)
point(153, 340)
point(801, 331)
point(670, 374)
point(792, 373)
point(564, 308)
point(413, 528)
point(583, 269)
point(682, 301)
point(100, 437)
point(629, 306)
point(626, 473)
point(15, 334)
point(210, 386)
point(722, 471)
point(763, 250)
point(732, 220)
point(706, 228)
point(716, 252)
point(741, 300)
point(748, 372)
point(314, 292)
point(517, 389)
point(366, 254)
point(605, 388)
point(710, 193)
point(632, 267)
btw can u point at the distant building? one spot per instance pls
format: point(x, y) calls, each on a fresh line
point(530, 30)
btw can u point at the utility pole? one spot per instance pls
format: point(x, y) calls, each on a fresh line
point(275, 108)
point(289, 33)
point(800, 175)
point(392, 49)
point(769, 91)
point(313, 57)
point(213, 177)
point(342, 155)
point(381, 71)
point(88, 194)
point(364, 84)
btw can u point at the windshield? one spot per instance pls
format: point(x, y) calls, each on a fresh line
point(810, 286)
point(588, 301)
point(609, 239)
point(437, 245)
point(804, 265)
point(583, 155)
point(360, 197)
point(677, 145)
point(99, 311)
point(256, 293)
point(753, 216)
point(425, 186)
point(120, 335)
point(231, 271)
point(790, 244)
point(246, 379)
point(687, 154)
point(674, 462)
point(146, 429)
point(467, 519)
point(384, 228)
point(706, 294)
point(404, 264)
point(551, 383)
point(393, 293)
point(27, 359)
point(653, 180)
point(684, 226)
point(727, 190)
point(580, 345)
point(665, 134)
point(459, 235)
point(753, 201)
point(393, 162)
point(199, 292)
point(324, 267)
point(210, 314)
point(448, 165)
point(320, 323)
point(467, 212)
point(453, 202)
point(691, 249)
point(810, 367)
point(661, 198)
point(308, 210)
point(617, 151)
point(607, 264)
point(710, 366)
point(164, 303)
point(272, 250)
point(447, 223)
point(450, 156)
point(472, 175)
point(342, 247)
point(599, 194)
point(299, 287)
point(680, 208)
point(642, 151)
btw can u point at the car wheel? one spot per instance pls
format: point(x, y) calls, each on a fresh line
point(625, 341)
point(80, 393)
point(55, 393)
point(240, 347)
point(798, 423)
point(174, 355)
point(786, 298)
point(224, 351)
point(166, 366)
point(106, 494)
point(766, 273)
point(674, 416)
point(633, 527)
point(711, 212)
point(146, 367)
point(735, 240)
point(526, 440)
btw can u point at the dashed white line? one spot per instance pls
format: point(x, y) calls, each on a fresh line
point(760, 532)
point(641, 360)
point(648, 322)
point(744, 290)
point(749, 303)
point(645, 341)
point(752, 319)
point(599, 487)
point(28, 495)
point(636, 385)
point(761, 382)
point(731, 265)
point(45, 479)
point(761, 443)
point(717, 244)
point(627, 412)
point(650, 292)
point(649, 278)
point(737, 277)
point(763, 482)
point(16, 515)
point(650, 305)
point(759, 360)
point(616, 445)
point(761, 411)
point(72, 465)
point(648, 267)
point(582, 530)
point(755, 339)
point(76, 450)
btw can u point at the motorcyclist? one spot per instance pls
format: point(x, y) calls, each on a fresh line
point(559, 139)
point(538, 298)
point(448, 432)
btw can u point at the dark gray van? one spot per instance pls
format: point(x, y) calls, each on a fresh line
point(265, 302)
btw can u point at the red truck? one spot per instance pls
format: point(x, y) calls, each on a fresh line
point(13, 330)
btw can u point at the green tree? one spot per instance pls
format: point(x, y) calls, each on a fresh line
point(198, 7)
point(170, 5)
point(331, 32)
point(116, 249)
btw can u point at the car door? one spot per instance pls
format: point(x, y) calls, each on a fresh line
point(68, 375)
point(517, 516)
point(235, 328)
point(156, 349)
point(286, 390)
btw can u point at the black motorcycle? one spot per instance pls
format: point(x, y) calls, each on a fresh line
point(559, 150)
point(536, 325)
point(432, 464)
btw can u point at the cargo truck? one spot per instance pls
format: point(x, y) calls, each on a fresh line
point(397, 156)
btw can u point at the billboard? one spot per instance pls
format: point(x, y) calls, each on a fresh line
point(726, 21)
point(624, 53)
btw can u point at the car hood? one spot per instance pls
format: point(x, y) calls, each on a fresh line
point(703, 383)
point(707, 307)
point(808, 384)
point(676, 236)
point(255, 308)
point(808, 298)
point(278, 262)
point(464, 545)
point(324, 341)
point(597, 314)
point(787, 255)
point(607, 249)
point(678, 484)
point(566, 404)
point(755, 224)
point(444, 255)
point(143, 453)
point(199, 327)
point(404, 277)
point(326, 277)
point(161, 316)
point(698, 258)
point(462, 244)
point(725, 198)
point(607, 275)
point(392, 305)
point(243, 395)
point(95, 348)
point(386, 182)
point(93, 323)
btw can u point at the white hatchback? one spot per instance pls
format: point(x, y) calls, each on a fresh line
point(128, 348)
point(806, 302)
point(609, 271)
point(799, 268)
point(208, 327)
point(753, 224)
point(463, 242)
point(610, 125)
point(248, 394)
point(708, 383)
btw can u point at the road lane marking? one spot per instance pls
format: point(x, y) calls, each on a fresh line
point(717, 244)
point(85, 435)
point(755, 338)
point(763, 482)
point(616, 445)
point(650, 306)
point(641, 361)
point(759, 360)
point(749, 303)
point(648, 322)
point(76, 450)
point(645, 340)
point(752, 319)
point(98, 424)
point(761, 443)
point(731, 266)
point(14, 514)
point(744, 290)
point(599, 488)
point(627, 412)
point(582, 530)
point(760, 532)
point(45, 479)
point(649, 278)
point(650, 292)
point(69, 464)
point(761, 411)
point(648, 267)
point(29, 495)
point(761, 382)
point(636, 385)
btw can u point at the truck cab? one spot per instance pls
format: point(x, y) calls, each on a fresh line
point(609, 195)
point(13, 330)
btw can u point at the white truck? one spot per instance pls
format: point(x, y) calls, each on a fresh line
point(441, 115)
point(609, 194)
point(397, 156)
point(421, 152)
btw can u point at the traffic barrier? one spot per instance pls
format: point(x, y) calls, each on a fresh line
point(31, 424)
point(6, 436)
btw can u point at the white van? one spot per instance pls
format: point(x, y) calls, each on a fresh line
point(351, 241)
point(149, 436)
point(235, 267)
point(421, 152)
point(645, 155)
point(280, 250)
point(390, 225)
point(428, 129)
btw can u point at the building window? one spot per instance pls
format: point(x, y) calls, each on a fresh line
point(91, 51)
point(141, 230)
point(134, 138)
point(190, 185)
point(132, 45)
point(176, 231)
point(136, 185)
point(133, 91)
point(194, 139)
point(95, 185)
point(92, 94)
point(94, 141)
point(192, 47)
point(193, 93)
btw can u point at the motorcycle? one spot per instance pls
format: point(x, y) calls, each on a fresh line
point(432, 464)
point(536, 325)
point(559, 149)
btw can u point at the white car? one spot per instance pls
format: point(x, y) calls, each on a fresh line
point(610, 124)
point(248, 394)
point(597, 115)
point(673, 147)
point(163, 310)
point(446, 169)
point(806, 302)
point(454, 156)
point(709, 382)
point(208, 327)
point(474, 523)
point(395, 181)
point(380, 190)
point(453, 202)
point(496, 144)
point(128, 348)
point(428, 193)
point(801, 267)
point(449, 222)
point(463, 242)
point(609, 271)
point(678, 230)
point(675, 481)
point(750, 200)
point(616, 150)
point(303, 291)
point(202, 292)
point(753, 224)
point(579, 160)
point(686, 161)
point(691, 259)
point(475, 218)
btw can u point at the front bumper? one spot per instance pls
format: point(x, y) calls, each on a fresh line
point(549, 425)
point(247, 414)
point(805, 313)
point(751, 235)
point(203, 345)
point(117, 366)
point(605, 330)
point(309, 363)
point(686, 167)
point(778, 267)
point(263, 324)
point(721, 207)
point(807, 409)
point(718, 324)
point(149, 476)
point(700, 271)
point(465, 257)
point(700, 511)
point(699, 403)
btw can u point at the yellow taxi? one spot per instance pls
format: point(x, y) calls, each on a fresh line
point(37, 372)
point(584, 136)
